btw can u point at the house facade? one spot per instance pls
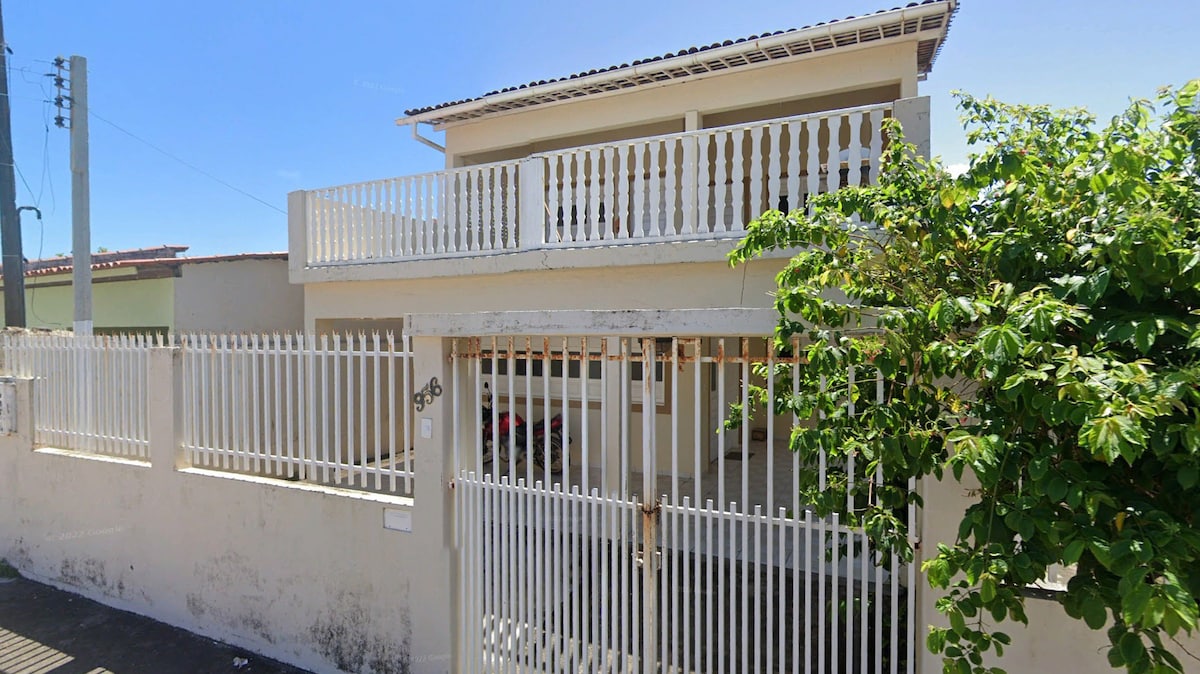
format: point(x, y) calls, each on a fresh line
point(383, 494)
point(366, 498)
point(622, 188)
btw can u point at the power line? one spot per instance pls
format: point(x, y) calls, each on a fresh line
point(41, 85)
point(195, 168)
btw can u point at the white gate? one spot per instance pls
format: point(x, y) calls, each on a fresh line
point(650, 548)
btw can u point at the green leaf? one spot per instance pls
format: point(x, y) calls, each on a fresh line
point(1056, 488)
point(1094, 612)
point(1073, 551)
point(936, 640)
point(948, 196)
point(1131, 647)
point(987, 588)
point(1093, 287)
point(957, 623)
point(1188, 476)
point(1156, 608)
point(1113, 437)
point(1145, 334)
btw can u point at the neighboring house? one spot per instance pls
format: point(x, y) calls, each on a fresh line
point(157, 290)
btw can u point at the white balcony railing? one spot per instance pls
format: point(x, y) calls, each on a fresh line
point(462, 211)
point(687, 186)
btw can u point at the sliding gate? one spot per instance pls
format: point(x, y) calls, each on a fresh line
point(666, 540)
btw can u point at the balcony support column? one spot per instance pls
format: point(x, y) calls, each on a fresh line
point(913, 114)
point(299, 254)
point(531, 186)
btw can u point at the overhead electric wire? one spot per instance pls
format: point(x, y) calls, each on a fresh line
point(156, 148)
point(186, 163)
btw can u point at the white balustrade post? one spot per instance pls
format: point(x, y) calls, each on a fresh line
point(532, 192)
point(913, 114)
point(298, 253)
point(435, 589)
point(164, 414)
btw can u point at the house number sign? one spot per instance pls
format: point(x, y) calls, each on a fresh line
point(427, 393)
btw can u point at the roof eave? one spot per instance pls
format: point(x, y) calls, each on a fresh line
point(438, 116)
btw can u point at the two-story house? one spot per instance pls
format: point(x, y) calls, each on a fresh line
point(619, 188)
point(622, 187)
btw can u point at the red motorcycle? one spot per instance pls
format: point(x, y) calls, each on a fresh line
point(507, 424)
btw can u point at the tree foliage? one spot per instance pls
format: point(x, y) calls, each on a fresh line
point(1036, 323)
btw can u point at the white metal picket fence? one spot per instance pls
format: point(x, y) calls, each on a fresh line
point(89, 393)
point(663, 542)
point(332, 409)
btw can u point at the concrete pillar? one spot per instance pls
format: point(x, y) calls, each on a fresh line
point(23, 412)
point(165, 416)
point(434, 596)
point(297, 215)
point(531, 225)
point(913, 114)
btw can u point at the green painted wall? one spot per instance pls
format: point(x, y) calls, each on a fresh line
point(145, 303)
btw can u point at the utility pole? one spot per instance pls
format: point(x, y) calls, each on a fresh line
point(81, 228)
point(81, 199)
point(10, 223)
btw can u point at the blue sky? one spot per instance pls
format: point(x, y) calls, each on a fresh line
point(273, 95)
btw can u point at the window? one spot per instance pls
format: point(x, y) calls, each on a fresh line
point(537, 364)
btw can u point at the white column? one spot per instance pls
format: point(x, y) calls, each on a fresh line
point(22, 410)
point(531, 177)
point(297, 215)
point(913, 114)
point(164, 383)
point(435, 589)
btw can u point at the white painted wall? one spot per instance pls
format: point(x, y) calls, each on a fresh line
point(301, 573)
point(1053, 641)
point(663, 286)
point(237, 296)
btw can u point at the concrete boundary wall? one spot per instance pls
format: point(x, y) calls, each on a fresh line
point(332, 579)
point(302, 573)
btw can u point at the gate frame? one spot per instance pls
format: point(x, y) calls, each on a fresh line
point(437, 332)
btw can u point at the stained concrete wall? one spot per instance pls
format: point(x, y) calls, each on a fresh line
point(301, 573)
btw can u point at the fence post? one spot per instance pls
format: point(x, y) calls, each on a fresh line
point(531, 185)
point(22, 409)
point(164, 387)
point(435, 595)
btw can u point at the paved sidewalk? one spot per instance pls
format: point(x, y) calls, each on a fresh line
point(47, 631)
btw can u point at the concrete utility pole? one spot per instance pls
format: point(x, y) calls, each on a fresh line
point(81, 217)
point(10, 222)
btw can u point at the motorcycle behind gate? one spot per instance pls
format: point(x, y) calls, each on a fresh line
point(506, 424)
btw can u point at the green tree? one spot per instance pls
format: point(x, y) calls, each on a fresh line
point(1035, 320)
